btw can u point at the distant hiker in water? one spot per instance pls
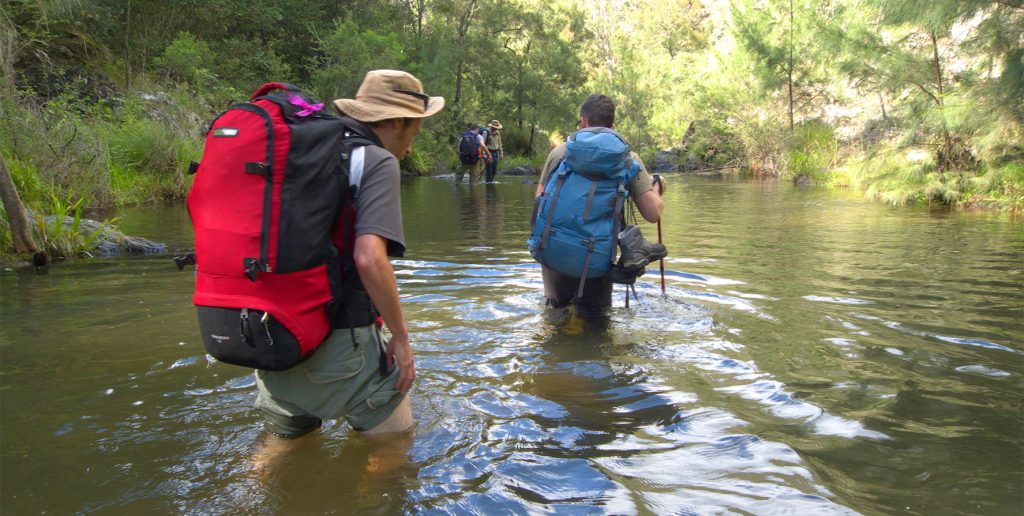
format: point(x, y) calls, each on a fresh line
point(492, 140)
point(472, 148)
point(355, 374)
point(578, 220)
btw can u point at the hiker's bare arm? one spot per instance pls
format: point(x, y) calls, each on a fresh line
point(378, 278)
point(650, 205)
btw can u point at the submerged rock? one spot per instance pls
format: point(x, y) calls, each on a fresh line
point(522, 170)
point(110, 241)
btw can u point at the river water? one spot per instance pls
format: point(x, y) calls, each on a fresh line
point(813, 353)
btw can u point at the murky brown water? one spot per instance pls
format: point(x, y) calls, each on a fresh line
point(815, 353)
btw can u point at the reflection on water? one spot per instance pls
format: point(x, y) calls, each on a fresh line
point(813, 354)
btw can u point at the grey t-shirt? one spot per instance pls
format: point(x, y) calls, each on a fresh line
point(379, 205)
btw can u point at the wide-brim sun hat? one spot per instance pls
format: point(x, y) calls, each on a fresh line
point(388, 94)
point(495, 124)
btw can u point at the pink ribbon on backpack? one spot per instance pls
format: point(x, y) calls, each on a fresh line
point(307, 109)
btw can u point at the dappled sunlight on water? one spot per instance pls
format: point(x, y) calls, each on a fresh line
point(823, 358)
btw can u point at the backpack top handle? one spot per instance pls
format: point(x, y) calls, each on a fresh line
point(271, 86)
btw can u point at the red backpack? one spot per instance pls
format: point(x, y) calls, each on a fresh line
point(266, 196)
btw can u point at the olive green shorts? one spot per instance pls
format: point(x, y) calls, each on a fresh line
point(339, 380)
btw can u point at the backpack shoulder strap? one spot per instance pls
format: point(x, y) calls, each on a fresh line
point(354, 155)
point(357, 159)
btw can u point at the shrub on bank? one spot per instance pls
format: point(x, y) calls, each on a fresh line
point(54, 142)
point(763, 144)
point(811, 151)
point(1000, 187)
point(417, 163)
point(115, 152)
point(902, 176)
point(56, 228)
point(714, 143)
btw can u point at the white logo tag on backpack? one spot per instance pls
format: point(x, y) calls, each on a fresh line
point(225, 132)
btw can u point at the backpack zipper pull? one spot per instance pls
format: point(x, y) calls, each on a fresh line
point(265, 320)
point(243, 318)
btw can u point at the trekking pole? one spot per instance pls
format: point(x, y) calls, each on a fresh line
point(661, 262)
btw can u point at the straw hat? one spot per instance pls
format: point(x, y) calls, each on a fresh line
point(495, 124)
point(388, 94)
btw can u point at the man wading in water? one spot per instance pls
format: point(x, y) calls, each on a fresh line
point(594, 296)
point(388, 110)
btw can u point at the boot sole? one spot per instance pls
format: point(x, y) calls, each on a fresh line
point(642, 262)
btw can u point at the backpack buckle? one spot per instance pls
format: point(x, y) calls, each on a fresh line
point(251, 266)
point(257, 167)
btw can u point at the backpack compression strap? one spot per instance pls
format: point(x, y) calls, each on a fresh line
point(620, 195)
point(551, 211)
point(586, 266)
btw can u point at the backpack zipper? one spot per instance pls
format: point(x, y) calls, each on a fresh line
point(266, 169)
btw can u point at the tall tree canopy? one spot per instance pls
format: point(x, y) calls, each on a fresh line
point(748, 81)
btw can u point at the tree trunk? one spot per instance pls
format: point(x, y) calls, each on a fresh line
point(947, 141)
point(690, 129)
point(789, 69)
point(462, 29)
point(520, 93)
point(458, 84)
point(419, 8)
point(8, 53)
point(533, 131)
point(20, 232)
point(127, 31)
point(420, 12)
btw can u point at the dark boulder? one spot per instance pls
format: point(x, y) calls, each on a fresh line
point(522, 170)
point(665, 160)
point(111, 242)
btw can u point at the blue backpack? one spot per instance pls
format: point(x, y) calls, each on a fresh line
point(576, 220)
point(468, 144)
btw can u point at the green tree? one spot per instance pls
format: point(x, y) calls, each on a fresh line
point(644, 54)
point(348, 53)
point(783, 36)
point(951, 55)
point(531, 71)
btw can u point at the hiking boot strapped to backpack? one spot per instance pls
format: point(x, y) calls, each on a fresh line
point(577, 218)
point(636, 251)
